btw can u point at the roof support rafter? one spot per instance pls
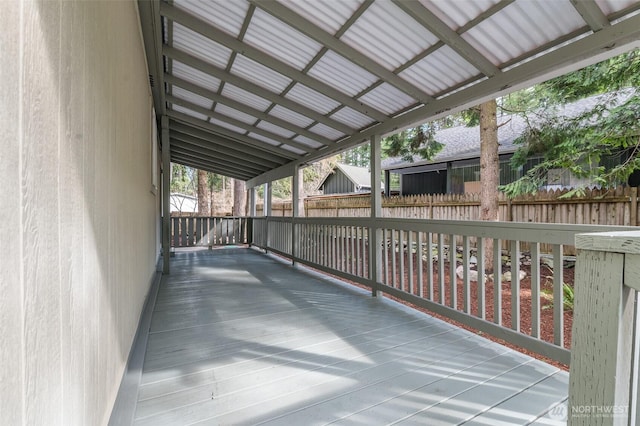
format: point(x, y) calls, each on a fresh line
point(308, 28)
point(207, 161)
point(261, 57)
point(223, 75)
point(219, 130)
point(237, 123)
point(246, 109)
point(591, 14)
point(207, 168)
point(451, 38)
point(231, 146)
point(197, 152)
point(222, 152)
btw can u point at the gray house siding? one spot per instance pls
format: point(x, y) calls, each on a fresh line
point(424, 183)
point(338, 183)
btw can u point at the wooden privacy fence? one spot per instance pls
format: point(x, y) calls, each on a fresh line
point(190, 231)
point(596, 207)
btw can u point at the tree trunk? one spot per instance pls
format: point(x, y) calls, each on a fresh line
point(239, 197)
point(204, 196)
point(489, 170)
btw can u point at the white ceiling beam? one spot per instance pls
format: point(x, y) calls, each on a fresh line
point(227, 144)
point(593, 48)
point(263, 58)
point(220, 151)
point(242, 139)
point(591, 13)
point(237, 123)
point(223, 75)
point(197, 152)
point(211, 162)
point(431, 22)
point(308, 28)
point(209, 94)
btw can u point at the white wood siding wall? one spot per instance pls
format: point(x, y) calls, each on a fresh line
point(77, 222)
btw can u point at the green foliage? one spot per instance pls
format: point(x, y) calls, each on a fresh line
point(579, 144)
point(358, 156)
point(183, 180)
point(417, 141)
point(567, 297)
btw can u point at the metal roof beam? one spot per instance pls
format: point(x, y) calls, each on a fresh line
point(237, 123)
point(199, 153)
point(227, 144)
point(207, 167)
point(246, 109)
point(223, 75)
point(242, 139)
point(210, 162)
point(591, 13)
point(222, 152)
point(451, 38)
point(318, 34)
point(263, 58)
point(606, 43)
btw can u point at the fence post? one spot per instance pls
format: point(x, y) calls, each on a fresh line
point(634, 206)
point(603, 368)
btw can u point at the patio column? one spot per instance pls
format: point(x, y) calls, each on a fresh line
point(268, 196)
point(375, 233)
point(387, 183)
point(295, 205)
point(252, 202)
point(166, 193)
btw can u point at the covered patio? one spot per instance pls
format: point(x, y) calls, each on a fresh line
point(101, 324)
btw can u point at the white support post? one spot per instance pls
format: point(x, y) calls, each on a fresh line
point(268, 197)
point(603, 370)
point(375, 233)
point(296, 181)
point(252, 202)
point(166, 193)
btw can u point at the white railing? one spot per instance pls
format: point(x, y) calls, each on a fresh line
point(189, 231)
point(605, 346)
point(428, 263)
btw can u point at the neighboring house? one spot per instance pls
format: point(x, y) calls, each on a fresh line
point(456, 169)
point(184, 203)
point(344, 179)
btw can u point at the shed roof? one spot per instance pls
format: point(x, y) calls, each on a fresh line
point(359, 176)
point(250, 89)
point(462, 142)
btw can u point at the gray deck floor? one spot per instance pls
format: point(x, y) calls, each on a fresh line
point(238, 337)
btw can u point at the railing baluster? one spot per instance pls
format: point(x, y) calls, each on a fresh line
point(393, 259)
point(535, 290)
point(420, 236)
point(385, 263)
point(466, 282)
point(515, 285)
point(441, 267)
point(453, 279)
point(558, 290)
point(410, 266)
point(497, 281)
point(480, 266)
point(183, 232)
point(401, 258)
point(363, 232)
point(176, 231)
point(430, 283)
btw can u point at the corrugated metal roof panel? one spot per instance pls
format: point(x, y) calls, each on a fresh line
point(293, 149)
point(234, 113)
point(275, 129)
point(194, 98)
point(457, 13)
point(186, 111)
point(226, 125)
point(238, 94)
point(311, 99)
point(330, 15)
point(326, 131)
point(290, 116)
point(200, 46)
point(389, 48)
point(352, 118)
point(387, 98)
point(264, 139)
point(259, 74)
point(342, 74)
point(280, 41)
point(610, 6)
point(516, 29)
point(438, 71)
point(195, 76)
point(307, 141)
point(224, 14)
